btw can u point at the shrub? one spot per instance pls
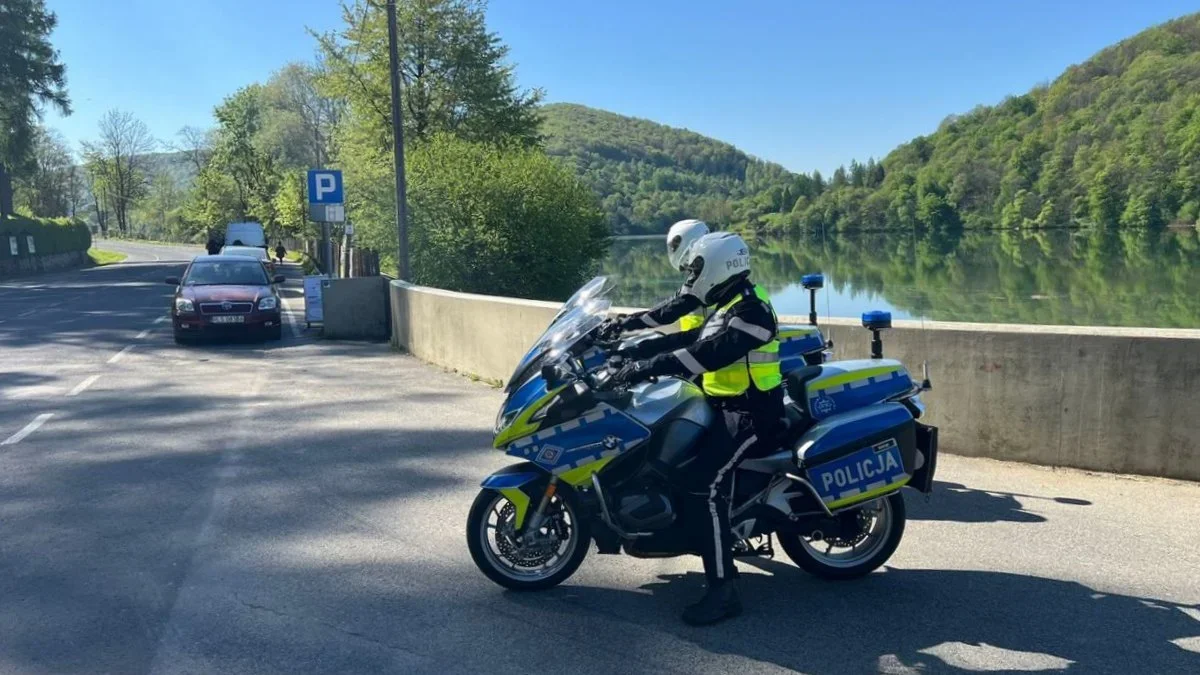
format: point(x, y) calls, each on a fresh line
point(503, 221)
point(50, 235)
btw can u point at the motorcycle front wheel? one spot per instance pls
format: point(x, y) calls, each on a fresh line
point(881, 526)
point(533, 560)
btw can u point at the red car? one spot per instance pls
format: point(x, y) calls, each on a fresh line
point(226, 296)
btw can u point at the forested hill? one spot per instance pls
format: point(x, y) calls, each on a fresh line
point(650, 175)
point(1114, 141)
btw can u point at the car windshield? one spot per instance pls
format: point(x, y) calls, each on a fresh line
point(226, 273)
point(245, 251)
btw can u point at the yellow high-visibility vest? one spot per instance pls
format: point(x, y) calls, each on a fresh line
point(760, 366)
point(692, 321)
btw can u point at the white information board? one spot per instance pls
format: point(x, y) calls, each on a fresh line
point(314, 308)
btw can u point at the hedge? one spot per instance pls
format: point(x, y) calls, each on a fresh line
point(50, 235)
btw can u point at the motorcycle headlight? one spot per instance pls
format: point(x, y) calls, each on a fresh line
point(183, 305)
point(503, 419)
point(268, 302)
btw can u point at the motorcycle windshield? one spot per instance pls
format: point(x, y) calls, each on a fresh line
point(598, 287)
point(581, 313)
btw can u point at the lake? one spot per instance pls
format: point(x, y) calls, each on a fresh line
point(1075, 277)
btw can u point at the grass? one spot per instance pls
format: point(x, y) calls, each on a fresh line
point(310, 265)
point(101, 257)
point(157, 242)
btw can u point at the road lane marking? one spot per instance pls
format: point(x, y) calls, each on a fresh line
point(120, 355)
point(23, 314)
point(160, 319)
point(143, 334)
point(291, 316)
point(28, 429)
point(83, 385)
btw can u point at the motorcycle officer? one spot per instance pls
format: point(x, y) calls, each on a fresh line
point(682, 307)
point(737, 354)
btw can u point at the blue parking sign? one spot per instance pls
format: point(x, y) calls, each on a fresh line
point(325, 186)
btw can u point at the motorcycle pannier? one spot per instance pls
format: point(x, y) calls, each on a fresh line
point(859, 455)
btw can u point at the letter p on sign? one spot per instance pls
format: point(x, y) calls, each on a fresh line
point(325, 186)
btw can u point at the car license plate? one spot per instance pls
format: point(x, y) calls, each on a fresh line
point(229, 319)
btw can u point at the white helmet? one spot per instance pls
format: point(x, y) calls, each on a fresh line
point(680, 239)
point(717, 258)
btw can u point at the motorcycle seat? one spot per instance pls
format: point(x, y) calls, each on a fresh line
point(795, 383)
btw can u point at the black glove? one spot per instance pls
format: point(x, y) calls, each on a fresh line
point(634, 372)
point(611, 329)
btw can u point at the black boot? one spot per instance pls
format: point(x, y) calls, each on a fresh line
point(719, 603)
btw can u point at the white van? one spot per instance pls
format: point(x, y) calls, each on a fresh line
point(245, 234)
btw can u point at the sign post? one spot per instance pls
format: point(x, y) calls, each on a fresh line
point(326, 205)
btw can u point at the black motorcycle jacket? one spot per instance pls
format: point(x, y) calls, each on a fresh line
point(721, 341)
point(664, 313)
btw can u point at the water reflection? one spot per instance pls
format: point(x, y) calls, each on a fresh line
point(1080, 277)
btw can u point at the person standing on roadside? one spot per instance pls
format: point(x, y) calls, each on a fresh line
point(280, 251)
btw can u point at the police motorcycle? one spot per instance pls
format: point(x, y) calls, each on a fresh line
point(602, 463)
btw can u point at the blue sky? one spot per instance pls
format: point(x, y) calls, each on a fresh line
point(807, 84)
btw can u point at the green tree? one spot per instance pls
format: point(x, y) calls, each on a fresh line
point(31, 77)
point(240, 152)
point(1141, 211)
point(840, 179)
point(158, 212)
point(504, 221)
point(1105, 203)
point(212, 202)
point(47, 188)
point(858, 174)
point(818, 182)
point(454, 72)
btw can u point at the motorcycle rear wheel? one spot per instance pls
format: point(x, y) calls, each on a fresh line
point(491, 541)
point(883, 533)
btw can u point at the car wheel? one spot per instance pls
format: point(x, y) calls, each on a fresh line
point(276, 332)
point(180, 339)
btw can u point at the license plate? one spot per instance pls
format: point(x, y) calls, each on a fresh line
point(868, 469)
point(229, 319)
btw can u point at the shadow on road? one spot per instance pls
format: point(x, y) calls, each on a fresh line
point(959, 503)
point(930, 621)
point(99, 536)
point(115, 300)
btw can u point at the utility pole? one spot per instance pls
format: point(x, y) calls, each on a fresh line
point(398, 149)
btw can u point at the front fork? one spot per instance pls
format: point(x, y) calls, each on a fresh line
point(539, 514)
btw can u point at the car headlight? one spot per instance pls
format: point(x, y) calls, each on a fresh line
point(268, 302)
point(183, 305)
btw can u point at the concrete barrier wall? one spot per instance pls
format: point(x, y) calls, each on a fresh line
point(1124, 400)
point(356, 309)
point(479, 335)
point(34, 264)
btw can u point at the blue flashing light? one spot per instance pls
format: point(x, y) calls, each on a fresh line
point(811, 281)
point(877, 320)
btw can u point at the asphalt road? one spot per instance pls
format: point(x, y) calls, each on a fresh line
point(299, 507)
